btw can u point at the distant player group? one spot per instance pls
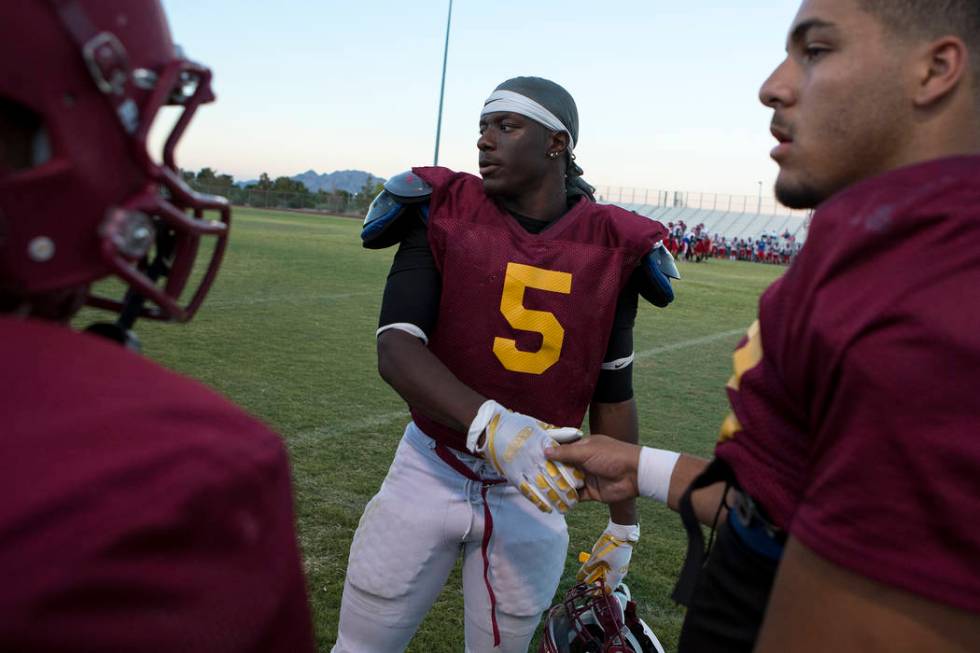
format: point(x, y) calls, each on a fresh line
point(699, 245)
point(143, 512)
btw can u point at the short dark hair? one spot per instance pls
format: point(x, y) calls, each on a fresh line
point(929, 18)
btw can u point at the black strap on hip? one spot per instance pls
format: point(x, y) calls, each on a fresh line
point(717, 471)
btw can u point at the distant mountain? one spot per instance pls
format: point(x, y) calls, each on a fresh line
point(351, 181)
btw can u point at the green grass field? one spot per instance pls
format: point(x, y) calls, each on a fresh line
point(288, 333)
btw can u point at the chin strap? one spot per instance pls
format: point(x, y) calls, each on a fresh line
point(122, 330)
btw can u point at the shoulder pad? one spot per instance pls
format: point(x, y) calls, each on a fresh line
point(387, 219)
point(658, 269)
point(408, 188)
point(661, 256)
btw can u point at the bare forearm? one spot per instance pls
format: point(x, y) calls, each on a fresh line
point(867, 616)
point(619, 421)
point(616, 470)
point(704, 501)
point(424, 381)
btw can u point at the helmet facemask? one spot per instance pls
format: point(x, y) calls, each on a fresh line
point(591, 620)
point(92, 202)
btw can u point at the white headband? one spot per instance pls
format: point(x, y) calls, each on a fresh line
point(525, 106)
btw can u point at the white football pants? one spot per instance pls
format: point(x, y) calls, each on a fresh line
point(423, 517)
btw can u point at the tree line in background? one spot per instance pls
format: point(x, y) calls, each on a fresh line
point(282, 193)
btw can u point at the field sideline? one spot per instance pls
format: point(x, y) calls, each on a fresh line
point(288, 333)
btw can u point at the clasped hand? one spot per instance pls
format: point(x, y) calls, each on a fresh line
point(514, 445)
point(610, 467)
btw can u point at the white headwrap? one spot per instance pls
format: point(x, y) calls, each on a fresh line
point(525, 106)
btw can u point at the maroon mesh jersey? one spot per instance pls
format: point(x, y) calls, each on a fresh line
point(856, 413)
point(139, 511)
point(525, 318)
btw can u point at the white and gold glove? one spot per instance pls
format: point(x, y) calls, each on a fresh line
point(610, 557)
point(515, 444)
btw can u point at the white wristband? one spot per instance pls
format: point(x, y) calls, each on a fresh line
point(630, 533)
point(654, 472)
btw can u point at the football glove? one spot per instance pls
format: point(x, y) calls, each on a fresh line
point(514, 445)
point(610, 557)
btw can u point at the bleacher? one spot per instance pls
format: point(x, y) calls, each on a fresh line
point(727, 216)
point(729, 224)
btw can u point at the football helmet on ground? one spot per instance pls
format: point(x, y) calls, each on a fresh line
point(84, 81)
point(588, 620)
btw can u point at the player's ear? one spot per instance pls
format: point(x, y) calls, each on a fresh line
point(939, 70)
point(557, 144)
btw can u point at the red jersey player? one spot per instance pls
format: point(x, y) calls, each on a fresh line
point(852, 440)
point(141, 511)
point(513, 290)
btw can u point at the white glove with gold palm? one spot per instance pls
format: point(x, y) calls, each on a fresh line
point(610, 557)
point(515, 444)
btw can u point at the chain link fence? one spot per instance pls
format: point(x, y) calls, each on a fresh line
point(337, 203)
point(748, 204)
point(343, 203)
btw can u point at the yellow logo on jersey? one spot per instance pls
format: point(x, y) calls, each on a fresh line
point(744, 359)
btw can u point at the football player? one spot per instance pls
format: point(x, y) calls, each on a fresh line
point(852, 440)
point(141, 511)
point(510, 296)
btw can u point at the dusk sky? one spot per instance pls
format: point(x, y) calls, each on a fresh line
point(667, 92)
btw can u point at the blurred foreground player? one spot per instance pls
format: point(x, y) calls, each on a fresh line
point(854, 437)
point(140, 511)
point(511, 292)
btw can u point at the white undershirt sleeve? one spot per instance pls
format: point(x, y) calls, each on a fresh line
point(408, 328)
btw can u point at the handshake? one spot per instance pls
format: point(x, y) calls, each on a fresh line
point(539, 460)
point(545, 463)
point(514, 444)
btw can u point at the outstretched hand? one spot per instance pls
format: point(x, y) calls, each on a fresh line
point(609, 465)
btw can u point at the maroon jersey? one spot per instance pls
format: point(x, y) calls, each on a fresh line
point(140, 511)
point(856, 417)
point(524, 318)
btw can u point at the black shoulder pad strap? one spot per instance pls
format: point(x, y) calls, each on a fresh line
point(408, 188)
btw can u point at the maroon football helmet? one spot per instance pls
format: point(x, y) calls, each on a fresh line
point(590, 620)
point(88, 79)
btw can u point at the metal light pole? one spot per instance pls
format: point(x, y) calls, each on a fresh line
point(759, 208)
point(442, 87)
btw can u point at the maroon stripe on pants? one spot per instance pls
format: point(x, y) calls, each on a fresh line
point(458, 465)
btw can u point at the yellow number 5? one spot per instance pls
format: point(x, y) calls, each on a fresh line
point(518, 278)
